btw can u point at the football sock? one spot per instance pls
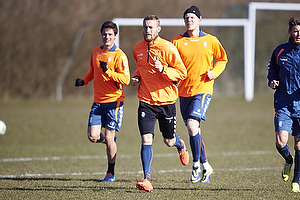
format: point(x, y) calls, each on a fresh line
point(285, 153)
point(203, 157)
point(111, 168)
point(297, 166)
point(196, 164)
point(147, 156)
point(195, 147)
point(198, 148)
point(205, 166)
point(178, 143)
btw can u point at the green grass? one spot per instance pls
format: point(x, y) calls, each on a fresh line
point(239, 140)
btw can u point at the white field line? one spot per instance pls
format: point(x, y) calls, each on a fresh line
point(129, 172)
point(127, 156)
point(133, 172)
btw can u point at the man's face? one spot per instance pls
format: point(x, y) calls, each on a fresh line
point(108, 38)
point(295, 34)
point(191, 21)
point(150, 30)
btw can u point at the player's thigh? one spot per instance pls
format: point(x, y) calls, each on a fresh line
point(282, 121)
point(110, 135)
point(113, 115)
point(283, 127)
point(194, 107)
point(94, 132)
point(167, 120)
point(146, 118)
point(95, 116)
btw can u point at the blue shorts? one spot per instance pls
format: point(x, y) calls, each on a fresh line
point(284, 122)
point(165, 114)
point(194, 107)
point(109, 115)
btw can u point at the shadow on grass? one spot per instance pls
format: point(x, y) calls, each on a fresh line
point(72, 185)
point(204, 189)
point(57, 179)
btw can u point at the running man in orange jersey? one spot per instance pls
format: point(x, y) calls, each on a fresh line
point(109, 70)
point(159, 68)
point(198, 50)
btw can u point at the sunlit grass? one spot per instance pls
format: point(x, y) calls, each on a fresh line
point(235, 133)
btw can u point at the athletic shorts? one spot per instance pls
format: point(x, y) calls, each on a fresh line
point(109, 115)
point(283, 122)
point(194, 107)
point(165, 114)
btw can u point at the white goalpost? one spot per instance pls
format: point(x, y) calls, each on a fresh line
point(205, 22)
point(253, 7)
point(249, 27)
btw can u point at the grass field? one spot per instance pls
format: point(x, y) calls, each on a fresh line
point(45, 154)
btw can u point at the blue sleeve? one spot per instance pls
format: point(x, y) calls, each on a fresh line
point(273, 67)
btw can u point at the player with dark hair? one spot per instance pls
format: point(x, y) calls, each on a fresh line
point(109, 70)
point(198, 51)
point(284, 78)
point(159, 68)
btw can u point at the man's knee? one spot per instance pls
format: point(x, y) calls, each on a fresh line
point(281, 138)
point(92, 139)
point(170, 142)
point(147, 139)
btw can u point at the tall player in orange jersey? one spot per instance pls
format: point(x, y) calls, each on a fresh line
point(158, 69)
point(109, 70)
point(198, 50)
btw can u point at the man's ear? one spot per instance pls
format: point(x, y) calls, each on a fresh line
point(159, 29)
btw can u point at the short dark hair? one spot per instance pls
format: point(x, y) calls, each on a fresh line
point(294, 21)
point(109, 24)
point(152, 17)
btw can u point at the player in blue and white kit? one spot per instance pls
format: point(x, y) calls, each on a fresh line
point(284, 77)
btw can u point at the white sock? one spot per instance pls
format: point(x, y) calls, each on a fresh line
point(206, 166)
point(196, 164)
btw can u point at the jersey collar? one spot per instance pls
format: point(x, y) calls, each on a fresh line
point(201, 34)
point(113, 48)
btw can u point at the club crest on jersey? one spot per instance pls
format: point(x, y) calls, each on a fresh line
point(140, 56)
point(205, 44)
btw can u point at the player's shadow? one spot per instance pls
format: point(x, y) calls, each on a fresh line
point(204, 189)
point(49, 186)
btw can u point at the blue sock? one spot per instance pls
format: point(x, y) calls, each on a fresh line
point(203, 157)
point(147, 156)
point(198, 148)
point(178, 143)
point(297, 166)
point(111, 168)
point(195, 146)
point(285, 153)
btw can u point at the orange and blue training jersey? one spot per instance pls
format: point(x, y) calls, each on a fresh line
point(158, 88)
point(197, 54)
point(108, 86)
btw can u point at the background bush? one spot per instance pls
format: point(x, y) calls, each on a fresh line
point(37, 36)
